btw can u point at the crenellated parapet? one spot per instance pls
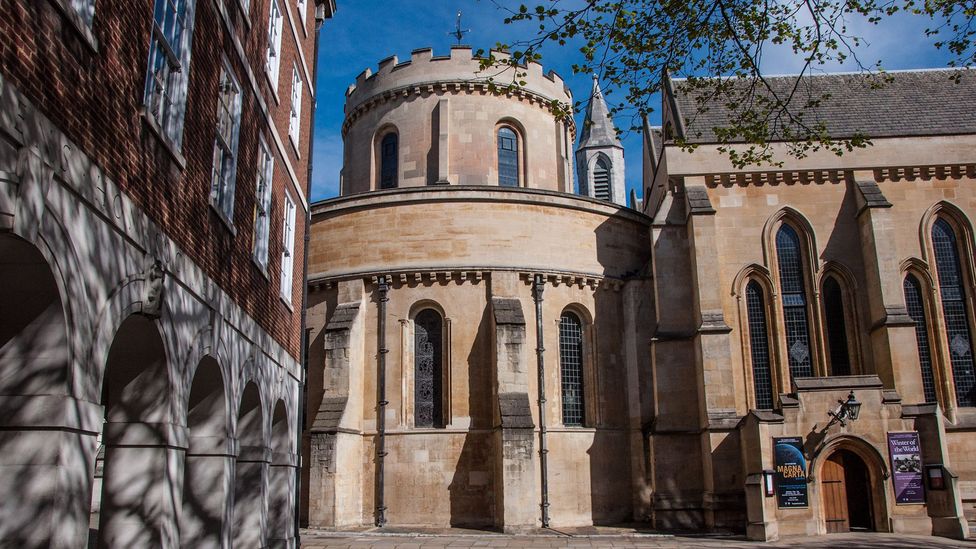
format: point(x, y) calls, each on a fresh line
point(426, 74)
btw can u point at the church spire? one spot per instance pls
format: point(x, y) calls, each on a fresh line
point(600, 155)
point(598, 129)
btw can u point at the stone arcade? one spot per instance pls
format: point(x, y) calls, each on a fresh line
point(489, 348)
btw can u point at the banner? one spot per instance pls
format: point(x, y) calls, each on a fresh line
point(906, 467)
point(791, 472)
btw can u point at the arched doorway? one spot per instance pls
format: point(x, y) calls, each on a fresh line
point(845, 485)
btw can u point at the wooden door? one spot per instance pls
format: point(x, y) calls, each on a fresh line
point(834, 490)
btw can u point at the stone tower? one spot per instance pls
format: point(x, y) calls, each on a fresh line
point(600, 156)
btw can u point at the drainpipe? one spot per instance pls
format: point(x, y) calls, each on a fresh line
point(302, 386)
point(381, 401)
point(538, 287)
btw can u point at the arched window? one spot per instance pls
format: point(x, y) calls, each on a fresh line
point(571, 368)
point(790, 265)
point(916, 310)
point(759, 345)
point(388, 161)
point(508, 157)
point(954, 310)
point(428, 370)
point(833, 300)
point(601, 180)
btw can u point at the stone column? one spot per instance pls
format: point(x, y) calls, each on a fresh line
point(516, 484)
point(47, 459)
point(142, 486)
point(281, 500)
point(893, 342)
point(335, 464)
point(443, 141)
point(250, 496)
point(207, 480)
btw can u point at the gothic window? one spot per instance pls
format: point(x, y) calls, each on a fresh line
point(916, 310)
point(388, 161)
point(571, 368)
point(833, 298)
point(954, 310)
point(428, 370)
point(601, 180)
point(508, 157)
point(790, 264)
point(759, 346)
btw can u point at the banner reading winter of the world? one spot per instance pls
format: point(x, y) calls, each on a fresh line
point(791, 472)
point(906, 467)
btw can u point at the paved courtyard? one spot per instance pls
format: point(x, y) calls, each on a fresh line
point(312, 539)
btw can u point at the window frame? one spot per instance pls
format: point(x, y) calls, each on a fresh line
point(272, 60)
point(750, 338)
point(167, 119)
point(928, 332)
point(260, 249)
point(380, 183)
point(808, 304)
point(440, 416)
point(287, 269)
point(518, 154)
point(584, 413)
point(608, 167)
point(301, 6)
point(223, 181)
point(849, 317)
point(295, 109)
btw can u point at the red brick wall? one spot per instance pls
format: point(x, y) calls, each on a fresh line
point(95, 96)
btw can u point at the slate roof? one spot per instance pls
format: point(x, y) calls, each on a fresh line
point(915, 103)
point(598, 129)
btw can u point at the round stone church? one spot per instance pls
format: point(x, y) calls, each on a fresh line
point(773, 350)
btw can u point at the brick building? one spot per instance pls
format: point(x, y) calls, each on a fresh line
point(154, 170)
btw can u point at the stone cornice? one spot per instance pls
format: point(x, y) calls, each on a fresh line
point(462, 275)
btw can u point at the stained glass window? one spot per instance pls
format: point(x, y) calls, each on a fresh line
point(840, 361)
point(388, 161)
point(954, 311)
point(428, 378)
point(571, 368)
point(508, 158)
point(759, 345)
point(916, 310)
point(794, 302)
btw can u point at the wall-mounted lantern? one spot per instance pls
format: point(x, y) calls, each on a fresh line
point(848, 409)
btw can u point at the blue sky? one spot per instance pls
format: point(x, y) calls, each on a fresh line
point(363, 32)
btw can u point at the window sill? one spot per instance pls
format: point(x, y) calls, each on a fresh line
point(286, 302)
point(273, 86)
point(245, 15)
point(572, 429)
point(163, 140)
point(263, 269)
point(83, 30)
point(223, 217)
point(294, 146)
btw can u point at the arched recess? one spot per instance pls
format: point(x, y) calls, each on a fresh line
point(434, 359)
point(208, 470)
point(921, 302)
point(789, 248)
point(947, 246)
point(141, 488)
point(877, 471)
point(573, 400)
point(251, 472)
point(281, 480)
point(47, 476)
point(840, 320)
point(386, 154)
point(510, 153)
point(756, 297)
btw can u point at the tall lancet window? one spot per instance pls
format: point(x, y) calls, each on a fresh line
point(601, 180)
point(428, 370)
point(954, 310)
point(508, 157)
point(759, 346)
point(840, 361)
point(388, 161)
point(790, 262)
point(571, 368)
point(916, 309)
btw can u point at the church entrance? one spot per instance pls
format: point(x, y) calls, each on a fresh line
point(846, 488)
